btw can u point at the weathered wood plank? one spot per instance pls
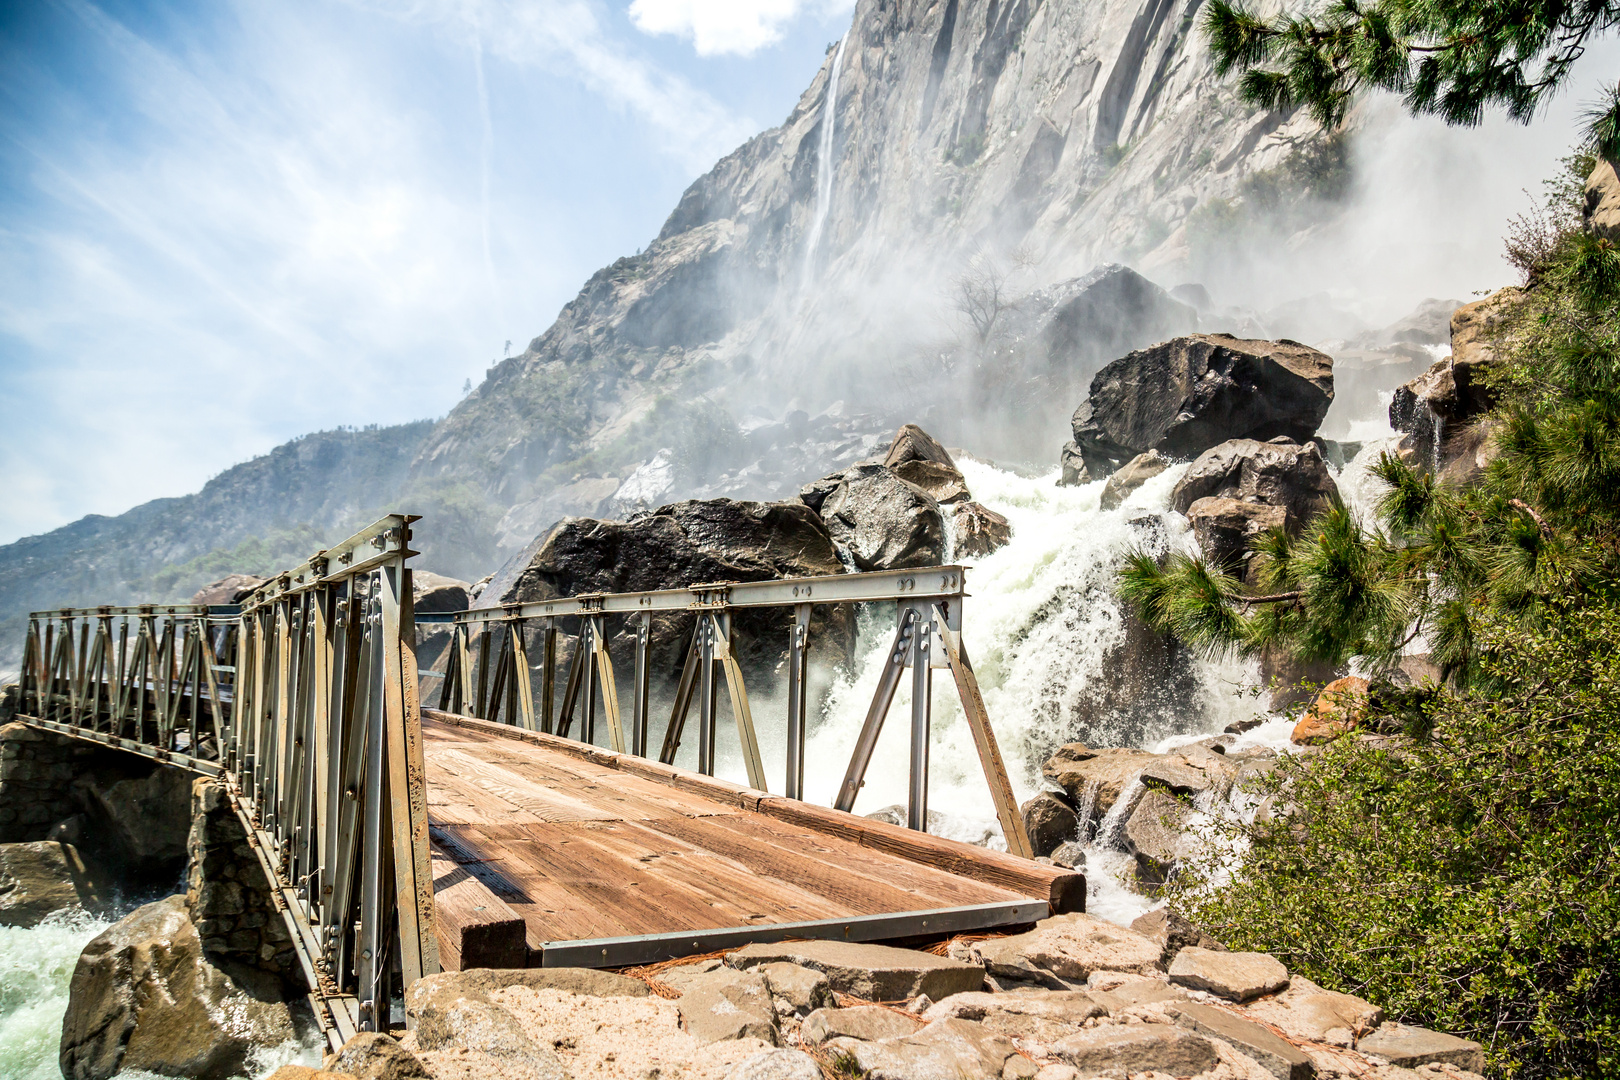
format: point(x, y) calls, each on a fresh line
point(475, 928)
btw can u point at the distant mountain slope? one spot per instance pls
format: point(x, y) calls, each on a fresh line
point(303, 493)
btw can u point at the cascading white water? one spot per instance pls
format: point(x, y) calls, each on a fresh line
point(824, 162)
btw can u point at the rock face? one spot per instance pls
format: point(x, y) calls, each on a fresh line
point(144, 996)
point(142, 814)
point(227, 896)
point(1191, 393)
point(35, 770)
point(43, 877)
point(1434, 411)
point(689, 543)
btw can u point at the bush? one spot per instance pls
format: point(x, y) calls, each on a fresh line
point(1466, 880)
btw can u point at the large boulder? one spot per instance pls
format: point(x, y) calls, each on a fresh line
point(689, 543)
point(229, 589)
point(1094, 778)
point(145, 996)
point(979, 530)
point(1050, 821)
point(1224, 529)
point(1279, 473)
point(1339, 708)
point(432, 592)
point(1183, 396)
point(1136, 472)
point(140, 814)
point(1070, 947)
point(1155, 835)
point(884, 522)
point(1436, 410)
point(43, 877)
point(1044, 350)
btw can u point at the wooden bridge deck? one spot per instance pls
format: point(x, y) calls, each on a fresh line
point(550, 852)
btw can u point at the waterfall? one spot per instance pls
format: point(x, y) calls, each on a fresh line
point(824, 161)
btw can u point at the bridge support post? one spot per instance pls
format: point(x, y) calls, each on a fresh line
point(798, 669)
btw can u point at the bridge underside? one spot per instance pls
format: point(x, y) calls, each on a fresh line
point(610, 860)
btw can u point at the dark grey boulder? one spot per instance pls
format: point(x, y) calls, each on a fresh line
point(1186, 395)
point(1050, 820)
point(912, 443)
point(692, 543)
point(979, 530)
point(1224, 529)
point(1136, 472)
point(1278, 473)
point(883, 522)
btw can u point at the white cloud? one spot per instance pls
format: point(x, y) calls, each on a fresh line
point(716, 26)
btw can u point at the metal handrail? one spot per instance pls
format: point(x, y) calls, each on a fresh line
point(496, 678)
point(304, 705)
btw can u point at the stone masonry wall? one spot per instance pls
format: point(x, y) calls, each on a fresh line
point(36, 771)
point(227, 895)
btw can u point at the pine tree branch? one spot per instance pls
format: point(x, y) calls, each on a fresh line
point(1520, 504)
point(1273, 598)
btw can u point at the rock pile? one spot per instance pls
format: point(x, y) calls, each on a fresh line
point(1072, 997)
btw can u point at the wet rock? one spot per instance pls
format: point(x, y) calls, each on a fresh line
point(869, 972)
point(1236, 976)
point(1306, 1011)
point(868, 1022)
point(1132, 475)
point(912, 443)
point(1050, 820)
point(143, 819)
point(1280, 473)
point(1072, 467)
point(1121, 1050)
point(1068, 946)
point(690, 543)
point(1339, 708)
point(942, 483)
point(1224, 529)
point(42, 877)
point(1173, 932)
point(777, 1065)
point(373, 1055)
point(1188, 394)
point(1292, 680)
point(1278, 1057)
point(796, 990)
point(1436, 407)
point(144, 996)
point(1076, 767)
point(230, 589)
point(882, 522)
point(944, 1050)
point(1070, 854)
point(434, 592)
point(1155, 836)
point(729, 1004)
point(1409, 1047)
point(979, 530)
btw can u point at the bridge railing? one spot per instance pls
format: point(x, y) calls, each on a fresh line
point(488, 673)
point(303, 701)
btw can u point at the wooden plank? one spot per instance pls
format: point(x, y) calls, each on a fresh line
point(475, 928)
point(1063, 889)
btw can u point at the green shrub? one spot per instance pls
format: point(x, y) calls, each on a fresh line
point(1467, 880)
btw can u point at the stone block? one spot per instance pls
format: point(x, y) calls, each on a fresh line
point(372, 1055)
point(729, 1004)
point(1277, 1056)
point(777, 1064)
point(1409, 1047)
point(1121, 1050)
point(871, 1023)
point(1306, 1011)
point(796, 990)
point(871, 972)
point(1127, 995)
point(1071, 947)
point(1236, 976)
point(944, 1050)
point(1174, 932)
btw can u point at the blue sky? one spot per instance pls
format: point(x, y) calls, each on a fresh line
point(225, 224)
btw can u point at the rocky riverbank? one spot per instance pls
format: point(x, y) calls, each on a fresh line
point(1072, 997)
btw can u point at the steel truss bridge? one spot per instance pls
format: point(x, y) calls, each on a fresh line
point(493, 832)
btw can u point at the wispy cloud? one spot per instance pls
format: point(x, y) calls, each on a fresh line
point(225, 224)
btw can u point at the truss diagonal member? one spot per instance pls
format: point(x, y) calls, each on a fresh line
point(888, 683)
point(984, 739)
